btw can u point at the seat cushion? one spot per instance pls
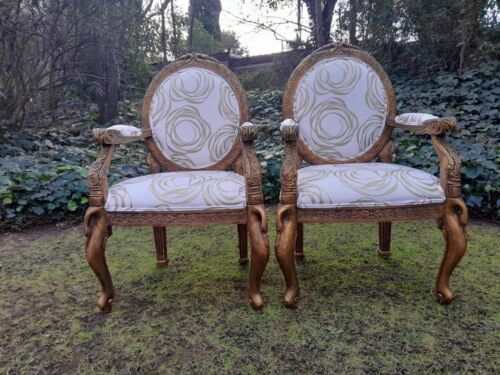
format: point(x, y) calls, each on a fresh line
point(179, 191)
point(366, 185)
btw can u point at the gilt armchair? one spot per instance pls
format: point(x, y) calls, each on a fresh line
point(339, 112)
point(195, 125)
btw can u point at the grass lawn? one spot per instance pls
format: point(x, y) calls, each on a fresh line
point(358, 313)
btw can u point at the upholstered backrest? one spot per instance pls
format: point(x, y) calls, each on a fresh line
point(340, 97)
point(194, 108)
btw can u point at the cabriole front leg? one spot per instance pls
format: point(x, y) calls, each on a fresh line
point(257, 231)
point(286, 232)
point(97, 232)
point(452, 224)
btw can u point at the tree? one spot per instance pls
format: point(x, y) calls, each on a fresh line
point(320, 14)
point(207, 13)
point(353, 20)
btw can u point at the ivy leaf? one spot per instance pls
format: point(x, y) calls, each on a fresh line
point(474, 200)
point(72, 206)
point(4, 180)
point(37, 210)
point(472, 172)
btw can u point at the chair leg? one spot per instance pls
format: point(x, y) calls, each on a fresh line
point(257, 230)
point(453, 225)
point(299, 242)
point(243, 243)
point(384, 239)
point(286, 229)
point(97, 233)
point(160, 234)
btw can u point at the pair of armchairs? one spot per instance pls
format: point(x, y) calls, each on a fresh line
point(339, 110)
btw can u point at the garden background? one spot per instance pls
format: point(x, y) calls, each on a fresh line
point(69, 66)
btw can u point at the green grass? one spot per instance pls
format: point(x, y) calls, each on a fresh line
point(358, 313)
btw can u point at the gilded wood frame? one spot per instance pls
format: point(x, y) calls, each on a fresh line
point(251, 221)
point(451, 214)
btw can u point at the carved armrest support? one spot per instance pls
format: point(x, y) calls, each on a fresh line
point(98, 176)
point(449, 161)
point(290, 133)
point(449, 167)
point(422, 123)
point(120, 134)
point(248, 165)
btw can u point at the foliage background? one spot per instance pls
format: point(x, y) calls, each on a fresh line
point(67, 66)
point(43, 174)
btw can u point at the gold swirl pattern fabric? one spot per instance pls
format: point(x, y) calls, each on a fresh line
point(340, 106)
point(366, 185)
point(194, 118)
point(328, 140)
point(179, 191)
point(414, 119)
point(337, 76)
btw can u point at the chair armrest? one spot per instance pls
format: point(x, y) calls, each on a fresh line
point(290, 133)
point(98, 173)
point(119, 134)
point(423, 123)
point(248, 165)
point(449, 161)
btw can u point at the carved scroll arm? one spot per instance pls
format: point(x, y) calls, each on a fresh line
point(120, 134)
point(290, 133)
point(248, 165)
point(449, 161)
point(98, 172)
point(422, 123)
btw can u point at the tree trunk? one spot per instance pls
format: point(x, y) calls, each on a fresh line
point(320, 19)
point(353, 20)
point(175, 39)
point(318, 16)
point(191, 25)
point(163, 37)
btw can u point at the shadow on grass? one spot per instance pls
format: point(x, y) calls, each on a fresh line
point(358, 313)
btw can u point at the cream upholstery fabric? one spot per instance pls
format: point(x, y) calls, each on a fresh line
point(126, 130)
point(341, 107)
point(194, 117)
point(179, 191)
point(414, 119)
point(366, 185)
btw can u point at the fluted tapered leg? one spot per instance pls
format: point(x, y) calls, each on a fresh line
point(160, 234)
point(384, 239)
point(243, 243)
point(286, 228)
point(257, 230)
point(97, 233)
point(453, 225)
